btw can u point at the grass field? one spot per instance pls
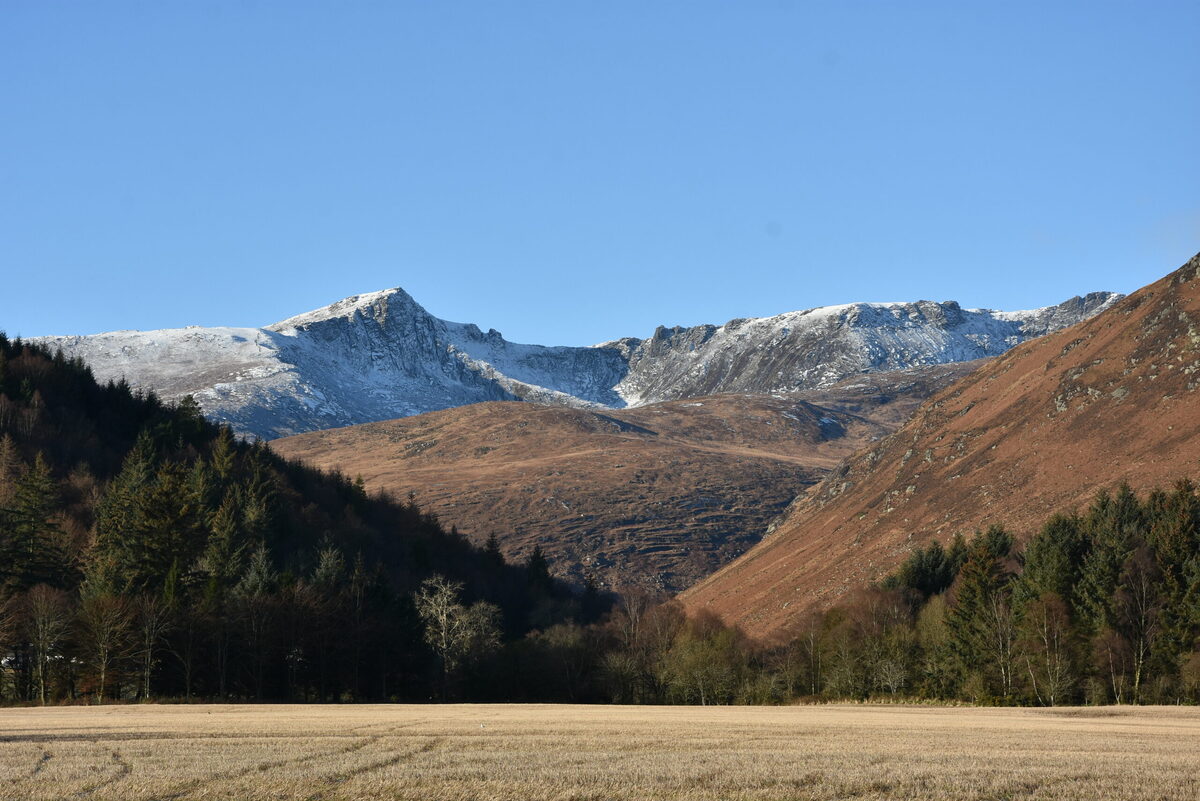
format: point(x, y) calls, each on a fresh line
point(598, 753)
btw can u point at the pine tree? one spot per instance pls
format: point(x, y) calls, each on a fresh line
point(1175, 538)
point(33, 552)
point(981, 623)
point(120, 514)
point(537, 572)
point(189, 422)
point(1053, 560)
point(225, 546)
point(224, 454)
point(203, 487)
point(956, 554)
point(255, 593)
point(928, 571)
point(491, 550)
point(148, 524)
point(1112, 526)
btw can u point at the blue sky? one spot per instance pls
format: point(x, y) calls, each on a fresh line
point(569, 172)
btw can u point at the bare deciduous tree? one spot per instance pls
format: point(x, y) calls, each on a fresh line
point(1112, 656)
point(8, 630)
point(454, 631)
point(47, 618)
point(1000, 632)
point(153, 621)
point(105, 621)
point(1138, 608)
point(1046, 647)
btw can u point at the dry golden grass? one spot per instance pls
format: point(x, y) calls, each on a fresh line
point(599, 753)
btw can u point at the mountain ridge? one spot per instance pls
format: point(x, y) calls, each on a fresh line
point(381, 355)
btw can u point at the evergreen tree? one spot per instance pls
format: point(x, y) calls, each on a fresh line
point(120, 514)
point(224, 454)
point(928, 571)
point(175, 506)
point(956, 554)
point(148, 531)
point(491, 551)
point(1112, 527)
point(1175, 538)
point(537, 572)
point(1053, 560)
point(256, 600)
point(29, 532)
point(223, 552)
point(981, 622)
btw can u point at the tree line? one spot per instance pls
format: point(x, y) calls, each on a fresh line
point(1099, 607)
point(146, 553)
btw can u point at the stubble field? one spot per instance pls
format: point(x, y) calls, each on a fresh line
point(600, 753)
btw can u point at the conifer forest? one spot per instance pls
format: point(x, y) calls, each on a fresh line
point(146, 553)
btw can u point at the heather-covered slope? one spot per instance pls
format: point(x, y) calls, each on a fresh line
point(1040, 429)
point(656, 497)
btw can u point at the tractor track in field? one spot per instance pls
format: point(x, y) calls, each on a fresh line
point(181, 791)
point(123, 770)
point(337, 779)
point(35, 770)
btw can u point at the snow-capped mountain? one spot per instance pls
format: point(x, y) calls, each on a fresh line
point(381, 355)
point(818, 347)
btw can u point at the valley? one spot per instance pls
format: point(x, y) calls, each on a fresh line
point(655, 497)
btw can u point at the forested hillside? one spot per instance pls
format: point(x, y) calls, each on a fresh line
point(1101, 606)
point(145, 552)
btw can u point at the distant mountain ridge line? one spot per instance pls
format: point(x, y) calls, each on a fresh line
point(381, 355)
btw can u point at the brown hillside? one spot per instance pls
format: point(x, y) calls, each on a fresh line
point(658, 496)
point(1040, 429)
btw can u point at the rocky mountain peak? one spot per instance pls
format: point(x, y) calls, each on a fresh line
point(375, 306)
point(381, 355)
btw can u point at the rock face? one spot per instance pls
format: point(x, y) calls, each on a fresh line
point(1040, 429)
point(819, 347)
point(655, 497)
point(380, 356)
point(369, 357)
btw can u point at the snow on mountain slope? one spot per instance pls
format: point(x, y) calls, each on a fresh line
point(380, 356)
point(819, 347)
point(369, 357)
